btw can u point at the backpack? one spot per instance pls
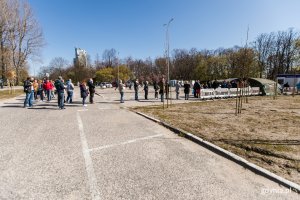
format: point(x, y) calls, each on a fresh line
point(58, 85)
point(26, 86)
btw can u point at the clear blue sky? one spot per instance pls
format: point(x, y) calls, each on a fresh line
point(135, 27)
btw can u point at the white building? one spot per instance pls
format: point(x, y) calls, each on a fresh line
point(291, 79)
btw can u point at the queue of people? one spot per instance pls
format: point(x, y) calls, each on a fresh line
point(45, 90)
point(39, 90)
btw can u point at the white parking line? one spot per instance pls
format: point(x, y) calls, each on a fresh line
point(88, 162)
point(123, 143)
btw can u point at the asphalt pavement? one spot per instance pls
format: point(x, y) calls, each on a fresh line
point(104, 151)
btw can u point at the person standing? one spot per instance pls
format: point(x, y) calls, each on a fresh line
point(60, 89)
point(146, 88)
point(91, 90)
point(121, 88)
point(156, 88)
point(161, 89)
point(136, 89)
point(177, 90)
point(41, 90)
point(28, 89)
point(197, 88)
point(187, 87)
point(83, 92)
point(35, 88)
point(70, 90)
point(48, 88)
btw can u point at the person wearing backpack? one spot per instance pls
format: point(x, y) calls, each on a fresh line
point(70, 89)
point(28, 89)
point(60, 89)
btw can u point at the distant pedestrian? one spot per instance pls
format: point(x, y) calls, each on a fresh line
point(28, 89)
point(187, 87)
point(177, 89)
point(35, 88)
point(60, 89)
point(41, 90)
point(83, 92)
point(162, 86)
point(121, 88)
point(48, 88)
point(136, 90)
point(156, 88)
point(146, 89)
point(91, 90)
point(197, 88)
point(70, 91)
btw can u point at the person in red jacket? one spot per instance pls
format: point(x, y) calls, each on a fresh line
point(48, 87)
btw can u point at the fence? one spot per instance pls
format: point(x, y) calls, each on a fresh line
point(228, 93)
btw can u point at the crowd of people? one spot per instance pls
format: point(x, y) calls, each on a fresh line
point(45, 90)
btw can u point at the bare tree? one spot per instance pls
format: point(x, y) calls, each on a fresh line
point(109, 56)
point(25, 36)
point(58, 64)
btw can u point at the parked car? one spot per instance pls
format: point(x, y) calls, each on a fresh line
point(106, 85)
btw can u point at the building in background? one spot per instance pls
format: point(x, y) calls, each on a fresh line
point(80, 57)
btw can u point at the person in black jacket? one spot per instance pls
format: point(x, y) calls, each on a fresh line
point(91, 90)
point(187, 87)
point(28, 89)
point(136, 90)
point(156, 88)
point(146, 87)
point(60, 89)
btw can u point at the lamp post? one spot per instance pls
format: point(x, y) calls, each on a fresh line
point(167, 58)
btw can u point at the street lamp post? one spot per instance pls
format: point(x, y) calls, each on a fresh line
point(167, 58)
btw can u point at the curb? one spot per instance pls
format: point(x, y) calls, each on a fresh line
point(231, 156)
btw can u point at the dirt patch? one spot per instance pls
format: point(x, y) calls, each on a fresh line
point(267, 132)
point(7, 94)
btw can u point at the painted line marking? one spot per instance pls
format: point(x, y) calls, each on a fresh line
point(88, 162)
point(124, 143)
point(108, 108)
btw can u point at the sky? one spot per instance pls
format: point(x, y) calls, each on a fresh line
point(135, 27)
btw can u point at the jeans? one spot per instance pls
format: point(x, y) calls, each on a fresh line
point(29, 99)
point(70, 96)
point(122, 97)
point(177, 95)
point(60, 100)
point(83, 100)
point(162, 97)
point(49, 95)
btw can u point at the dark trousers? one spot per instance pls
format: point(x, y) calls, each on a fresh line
point(186, 96)
point(136, 95)
point(156, 95)
point(92, 97)
point(146, 94)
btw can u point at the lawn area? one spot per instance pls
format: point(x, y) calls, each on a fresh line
point(7, 94)
point(267, 132)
